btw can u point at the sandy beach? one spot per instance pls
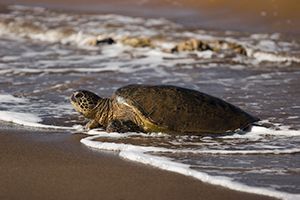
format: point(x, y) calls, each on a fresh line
point(39, 165)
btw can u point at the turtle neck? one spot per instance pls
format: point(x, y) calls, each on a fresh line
point(104, 111)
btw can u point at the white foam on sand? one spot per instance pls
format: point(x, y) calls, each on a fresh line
point(7, 98)
point(271, 57)
point(27, 119)
point(257, 132)
point(141, 154)
point(283, 131)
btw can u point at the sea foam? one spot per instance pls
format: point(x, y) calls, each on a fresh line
point(79, 31)
point(143, 154)
point(8, 98)
point(27, 119)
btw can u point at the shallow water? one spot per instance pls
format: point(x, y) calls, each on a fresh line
point(45, 55)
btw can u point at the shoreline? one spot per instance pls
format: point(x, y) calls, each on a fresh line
point(278, 16)
point(55, 165)
point(48, 164)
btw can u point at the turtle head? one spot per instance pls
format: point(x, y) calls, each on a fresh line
point(85, 102)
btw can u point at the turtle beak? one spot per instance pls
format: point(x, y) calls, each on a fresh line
point(73, 96)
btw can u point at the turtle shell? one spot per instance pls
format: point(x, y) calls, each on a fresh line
point(184, 110)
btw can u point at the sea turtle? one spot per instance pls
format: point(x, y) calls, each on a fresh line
point(160, 108)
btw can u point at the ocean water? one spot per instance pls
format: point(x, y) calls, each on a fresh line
point(46, 55)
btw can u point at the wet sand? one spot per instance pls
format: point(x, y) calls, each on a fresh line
point(252, 16)
point(39, 165)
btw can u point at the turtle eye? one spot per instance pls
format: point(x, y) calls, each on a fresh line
point(78, 95)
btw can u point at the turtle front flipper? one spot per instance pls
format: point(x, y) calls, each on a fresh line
point(122, 126)
point(92, 124)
